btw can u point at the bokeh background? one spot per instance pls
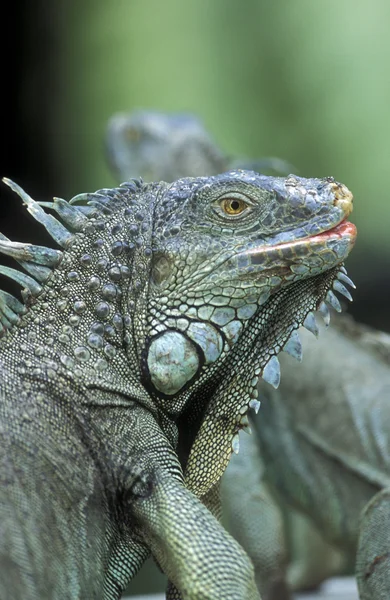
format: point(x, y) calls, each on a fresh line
point(304, 80)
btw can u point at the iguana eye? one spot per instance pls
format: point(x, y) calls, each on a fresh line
point(233, 206)
point(132, 134)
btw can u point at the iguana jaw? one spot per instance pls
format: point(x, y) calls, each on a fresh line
point(226, 413)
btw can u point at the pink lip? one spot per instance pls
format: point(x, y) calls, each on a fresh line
point(343, 229)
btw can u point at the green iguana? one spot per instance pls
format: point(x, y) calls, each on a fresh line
point(348, 369)
point(129, 370)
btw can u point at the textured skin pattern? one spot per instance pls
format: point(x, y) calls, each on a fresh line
point(373, 557)
point(99, 466)
point(347, 369)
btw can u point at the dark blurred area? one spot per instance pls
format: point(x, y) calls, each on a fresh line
point(307, 82)
point(28, 48)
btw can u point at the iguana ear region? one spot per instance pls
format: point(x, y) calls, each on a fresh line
point(161, 269)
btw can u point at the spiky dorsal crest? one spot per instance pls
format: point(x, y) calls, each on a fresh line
point(39, 261)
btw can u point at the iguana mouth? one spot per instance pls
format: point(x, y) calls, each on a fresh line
point(339, 239)
point(345, 229)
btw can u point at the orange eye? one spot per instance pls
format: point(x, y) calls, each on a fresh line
point(233, 206)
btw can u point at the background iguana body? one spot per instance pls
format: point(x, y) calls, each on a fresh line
point(128, 373)
point(322, 443)
point(330, 432)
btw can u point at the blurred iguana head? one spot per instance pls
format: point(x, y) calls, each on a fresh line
point(181, 295)
point(167, 146)
point(160, 146)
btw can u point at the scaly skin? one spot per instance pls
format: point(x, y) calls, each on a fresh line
point(329, 466)
point(286, 548)
point(127, 376)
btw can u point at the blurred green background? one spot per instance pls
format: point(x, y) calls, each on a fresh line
point(304, 80)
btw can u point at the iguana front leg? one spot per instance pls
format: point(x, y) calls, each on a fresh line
point(373, 555)
point(193, 549)
point(196, 553)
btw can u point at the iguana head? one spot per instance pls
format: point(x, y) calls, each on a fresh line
point(182, 295)
point(223, 247)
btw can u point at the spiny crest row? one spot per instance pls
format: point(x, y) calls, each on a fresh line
point(39, 261)
point(293, 346)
